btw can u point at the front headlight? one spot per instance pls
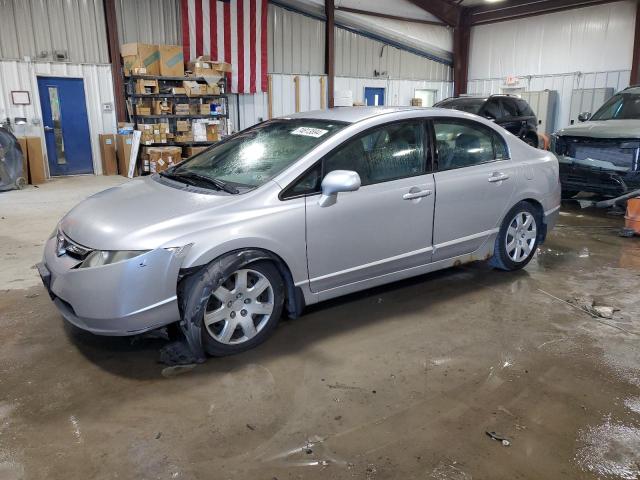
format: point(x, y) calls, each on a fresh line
point(98, 258)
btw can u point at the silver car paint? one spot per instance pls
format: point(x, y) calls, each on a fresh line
point(146, 214)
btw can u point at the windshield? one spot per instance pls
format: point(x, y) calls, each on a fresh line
point(618, 107)
point(256, 155)
point(470, 105)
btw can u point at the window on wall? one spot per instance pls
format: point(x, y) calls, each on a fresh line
point(464, 144)
point(386, 153)
point(428, 96)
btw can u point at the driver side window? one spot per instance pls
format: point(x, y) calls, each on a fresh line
point(387, 153)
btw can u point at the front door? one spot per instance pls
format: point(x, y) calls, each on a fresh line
point(373, 96)
point(66, 127)
point(383, 227)
point(475, 183)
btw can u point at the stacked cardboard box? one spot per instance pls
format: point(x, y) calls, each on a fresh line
point(146, 129)
point(171, 60)
point(203, 109)
point(162, 107)
point(161, 132)
point(143, 109)
point(191, 151)
point(205, 130)
point(203, 66)
point(183, 131)
point(181, 109)
point(144, 86)
point(137, 56)
point(161, 158)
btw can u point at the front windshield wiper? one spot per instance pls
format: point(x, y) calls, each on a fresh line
point(219, 184)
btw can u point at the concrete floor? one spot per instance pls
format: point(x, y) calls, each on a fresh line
point(397, 382)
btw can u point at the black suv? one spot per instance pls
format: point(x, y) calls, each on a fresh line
point(511, 113)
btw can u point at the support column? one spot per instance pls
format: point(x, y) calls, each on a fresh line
point(329, 49)
point(114, 58)
point(461, 42)
point(635, 63)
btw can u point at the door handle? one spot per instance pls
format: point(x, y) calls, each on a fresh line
point(413, 195)
point(48, 129)
point(498, 177)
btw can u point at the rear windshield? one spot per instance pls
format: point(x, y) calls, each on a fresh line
point(256, 155)
point(471, 105)
point(619, 107)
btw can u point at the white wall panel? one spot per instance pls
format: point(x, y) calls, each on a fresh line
point(36, 28)
point(564, 84)
point(254, 108)
point(592, 39)
point(98, 86)
point(149, 21)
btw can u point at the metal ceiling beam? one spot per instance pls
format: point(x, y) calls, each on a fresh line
point(635, 61)
point(449, 13)
point(384, 15)
point(330, 50)
point(514, 9)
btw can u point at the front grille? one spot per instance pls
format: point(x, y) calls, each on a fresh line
point(622, 153)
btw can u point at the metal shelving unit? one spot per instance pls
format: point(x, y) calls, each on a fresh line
point(166, 83)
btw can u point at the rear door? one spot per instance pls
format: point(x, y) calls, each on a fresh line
point(475, 182)
point(511, 119)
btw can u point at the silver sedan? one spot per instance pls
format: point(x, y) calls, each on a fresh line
point(295, 211)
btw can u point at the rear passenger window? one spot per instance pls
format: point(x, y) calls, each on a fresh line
point(492, 109)
point(524, 110)
point(464, 144)
point(509, 107)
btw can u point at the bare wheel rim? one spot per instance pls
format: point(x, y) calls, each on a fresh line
point(240, 308)
point(521, 236)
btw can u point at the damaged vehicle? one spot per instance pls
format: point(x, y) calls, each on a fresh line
point(295, 211)
point(601, 154)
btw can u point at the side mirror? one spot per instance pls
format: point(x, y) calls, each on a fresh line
point(584, 116)
point(335, 182)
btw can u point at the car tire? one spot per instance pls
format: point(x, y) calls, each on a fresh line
point(237, 317)
point(517, 239)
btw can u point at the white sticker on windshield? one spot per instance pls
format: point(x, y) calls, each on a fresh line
point(309, 132)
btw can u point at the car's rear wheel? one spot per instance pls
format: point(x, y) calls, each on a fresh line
point(517, 239)
point(531, 141)
point(243, 310)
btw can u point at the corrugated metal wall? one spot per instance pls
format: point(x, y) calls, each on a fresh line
point(254, 108)
point(360, 56)
point(564, 84)
point(16, 75)
point(296, 46)
point(149, 21)
point(35, 28)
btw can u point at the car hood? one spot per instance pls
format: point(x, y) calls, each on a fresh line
point(603, 129)
point(141, 215)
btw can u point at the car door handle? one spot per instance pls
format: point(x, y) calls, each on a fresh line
point(498, 177)
point(420, 194)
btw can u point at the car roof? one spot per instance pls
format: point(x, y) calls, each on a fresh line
point(358, 114)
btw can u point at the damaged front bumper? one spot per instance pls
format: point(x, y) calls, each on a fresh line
point(122, 298)
point(597, 176)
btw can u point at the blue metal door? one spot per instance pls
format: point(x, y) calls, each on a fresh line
point(373, 96)
point(66, 126)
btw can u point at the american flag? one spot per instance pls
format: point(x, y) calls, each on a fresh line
point(232, 31)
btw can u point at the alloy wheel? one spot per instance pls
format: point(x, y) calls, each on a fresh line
point(521, 236)
point(239, 308)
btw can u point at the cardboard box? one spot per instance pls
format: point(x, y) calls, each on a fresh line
point(171, 60)
point(178, 91)
point(143, 109)
point(192, 88)
point(108, 154)
point(161, 158)
point(191, 151)
point(203, 66)
point(25, 158)
point(182, 109)
point(36, 160)
point(183, 126)
point(205, 131)
point(140, 55)
point(204, 109)
point(184, 137)
point(162, 107)
point(145, 86)
point(416, 102)
point(123, 152)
